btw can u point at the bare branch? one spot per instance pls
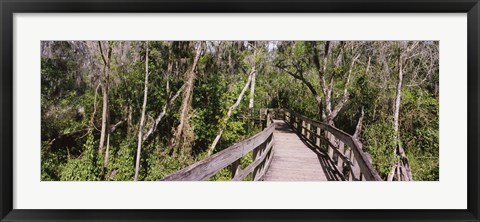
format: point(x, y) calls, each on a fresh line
point(162, 114)
point(101, 53)
point(305, 81)
point(230, 112)
point(344, 99)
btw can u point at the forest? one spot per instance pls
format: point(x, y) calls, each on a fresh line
point(141, 110)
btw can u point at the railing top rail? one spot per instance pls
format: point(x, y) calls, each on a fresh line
point(367, 169)
point(204, 169)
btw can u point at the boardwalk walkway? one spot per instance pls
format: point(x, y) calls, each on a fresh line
point(293, 160)
point(281, 153)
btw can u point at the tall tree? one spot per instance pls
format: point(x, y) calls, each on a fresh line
point(142, 118)
point(402, 167)
point(183, 134)
point(333, 56)
point(106, 58)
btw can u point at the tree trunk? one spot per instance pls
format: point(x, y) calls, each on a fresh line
point(358, 129)
point(183, 135)
point(105, 161)
point(105, 85)
point(229, 113)
point(92, 118)
point(398, 100)
point(104, 114)
point(142, 118)
point(403, 162)
point(162, 114)
point(252, 91)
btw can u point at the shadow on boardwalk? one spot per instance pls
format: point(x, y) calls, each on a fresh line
point(297, 160)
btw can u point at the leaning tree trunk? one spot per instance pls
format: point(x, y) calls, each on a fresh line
point(184, 133)
point(162, 114)
point(230, 112)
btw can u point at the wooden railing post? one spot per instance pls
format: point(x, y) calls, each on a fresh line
point(319, 134)
point(254, 157)
point(308, 131)
point(356, 174)
point(341, 149)
point(235, 168)
point(303, 127)
point(268, 119)
point(295, 120)
point(255, 154)
point(260, 117)
point(329, 148)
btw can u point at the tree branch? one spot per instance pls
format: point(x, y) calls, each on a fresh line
point(101, 52)
point(307, 83)
point(358, 129)
point(229, 113)
point(321, 70)
point(344, 99)
point(162, 114)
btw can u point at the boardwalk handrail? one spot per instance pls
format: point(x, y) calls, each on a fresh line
point(349, 160)
point(261, 146)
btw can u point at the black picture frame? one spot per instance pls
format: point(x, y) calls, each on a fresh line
point(9, 7)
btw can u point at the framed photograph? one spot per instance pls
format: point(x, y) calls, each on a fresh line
point(239, 110)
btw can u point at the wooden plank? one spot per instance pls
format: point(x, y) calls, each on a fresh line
point(317, 137)
point(256, 153)
point(365, 166)
point(204, 169)
point(292, 160)
point(331, 146)
point(254, 164)
point(303, 128)
point(235, 168)
point(341, 151)
point(308, 131)
point(268, 163)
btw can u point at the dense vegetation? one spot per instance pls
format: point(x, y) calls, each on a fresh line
point(120, 110)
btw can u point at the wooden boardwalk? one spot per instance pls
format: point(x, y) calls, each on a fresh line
point(283, 154)
point(295, 160)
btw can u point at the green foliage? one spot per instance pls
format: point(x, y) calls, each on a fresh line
point(87, 167)
point(420, 132)
point(209, 104)
point(424, 168)
point(161, 166)
point(50, 163)
point(379, 141)
point(123, 161)
point(71, 72)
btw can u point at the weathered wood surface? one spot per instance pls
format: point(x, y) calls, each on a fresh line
point(289, 150)
point(362, 167)
point(293, 160)
point(204, 169)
